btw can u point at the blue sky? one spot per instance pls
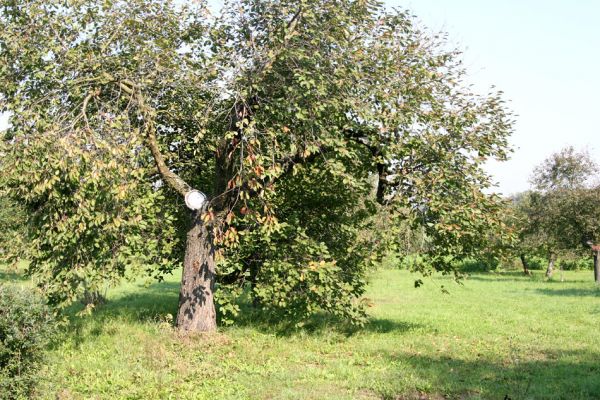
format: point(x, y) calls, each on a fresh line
point(545, 56)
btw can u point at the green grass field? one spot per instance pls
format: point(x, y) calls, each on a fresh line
point(497, 335)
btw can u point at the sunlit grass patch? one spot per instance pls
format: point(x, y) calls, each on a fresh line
point(496, 334)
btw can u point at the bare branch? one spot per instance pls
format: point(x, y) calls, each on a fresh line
point(84, 111)
point(170, 177)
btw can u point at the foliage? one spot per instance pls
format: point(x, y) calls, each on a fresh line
point(570, 201)
point(304, 121)
point(27, 325)
point(91, 197)
point(576, 263)
point(12, 230)
point(565, 169)
point(574, 218)
point(559, 217)
point(536, 262)
point(478, 265)
point(466, 265)
point(531, 220)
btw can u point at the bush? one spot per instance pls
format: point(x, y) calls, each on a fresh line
point(475, 265)
point(576, 264)
point(567, 262)
point(415, 262)
point(27, 325)
point(537, 263)
point(410, 262)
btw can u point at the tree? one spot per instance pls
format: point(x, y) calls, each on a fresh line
point(576, 221)
point(285, 113)
point(522, 214)
point(536, 223)
point(564, 170)
point(561, 215)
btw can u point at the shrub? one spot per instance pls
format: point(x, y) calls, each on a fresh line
point(27, 325)
point(415, 262)
point(537, 263)
point(475, 265)
point(409, 261)
point(576, 264)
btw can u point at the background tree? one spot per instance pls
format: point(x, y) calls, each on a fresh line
point(533, 217)
point(520, 212)
point(560, 214)
point(577, 213)
point(283, 112)
point(564, 170)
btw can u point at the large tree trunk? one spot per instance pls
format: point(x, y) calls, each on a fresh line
point(597, 266)
point(550, 268)
point(92, 297)
point(525, 266)
point(196, 297)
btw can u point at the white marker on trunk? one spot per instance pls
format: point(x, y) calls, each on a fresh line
point(195, 199)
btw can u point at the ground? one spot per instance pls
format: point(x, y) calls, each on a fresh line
point(497, 336)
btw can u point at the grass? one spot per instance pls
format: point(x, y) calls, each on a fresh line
point(499, 334)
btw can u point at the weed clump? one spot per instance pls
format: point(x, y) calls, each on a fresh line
point(27, 326)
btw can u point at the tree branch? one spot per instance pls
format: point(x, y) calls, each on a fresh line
point(382, 182)
point(84, 111)
point(291, 29)
point(170, 177)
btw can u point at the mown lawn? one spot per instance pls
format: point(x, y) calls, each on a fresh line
point(499, 334)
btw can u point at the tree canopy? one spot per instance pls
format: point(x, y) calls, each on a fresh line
point(560, 214)
point(315, 127)
point(565, 169)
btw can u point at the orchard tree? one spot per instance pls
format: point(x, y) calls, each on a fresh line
point(563, 211)
point(303, 122)
point(575, 219)
point(522, 218)
point(534, 216)
point(566, 169)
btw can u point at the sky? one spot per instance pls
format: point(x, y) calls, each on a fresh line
point(543, 54)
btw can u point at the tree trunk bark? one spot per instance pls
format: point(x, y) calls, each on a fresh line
point(196, 297)
point(597, 267)
point(525, 266)
point(550, 268)
point(92, 297)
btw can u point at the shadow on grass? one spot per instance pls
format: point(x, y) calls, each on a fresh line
point(570, 292)
point(145, 304)
point(502, 277)
point(537, 276)
point(159, 301)
point(8, 274)
point(155, 300)
point(551, 375)
point(319, 324)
